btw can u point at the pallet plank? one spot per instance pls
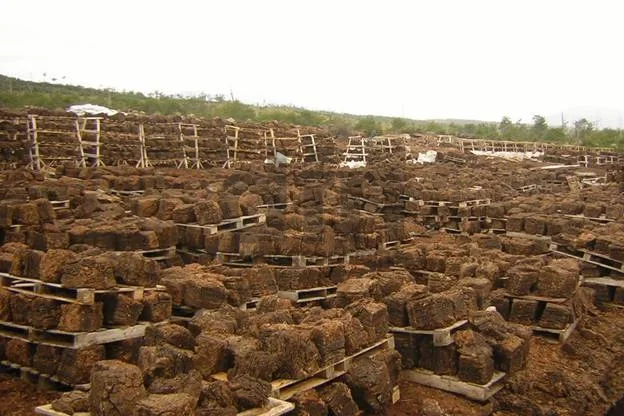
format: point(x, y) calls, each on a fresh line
point(58, 338)
point(451, 384)
point(562, 334)
point(308, 295)
point(231, 224)
point(441, 336)
point(605, 281)
point(61, 293)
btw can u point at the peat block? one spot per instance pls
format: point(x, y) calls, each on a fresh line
point(165, 404)
point(156, 306)
point(523, 311)
point(115, 388)
point(89, 272)
point(476, 363)
point(81, 318)
point(339, 400)
point(121, 310)
point(76, 364)
point(370, 384)
point(249, 392)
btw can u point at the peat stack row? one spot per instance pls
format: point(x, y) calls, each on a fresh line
point(63, 311)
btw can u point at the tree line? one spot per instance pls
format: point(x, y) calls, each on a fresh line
point(16, 93)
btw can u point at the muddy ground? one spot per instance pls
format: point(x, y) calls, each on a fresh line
point(20, 397)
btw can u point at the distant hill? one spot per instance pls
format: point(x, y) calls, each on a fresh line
point(17, 94)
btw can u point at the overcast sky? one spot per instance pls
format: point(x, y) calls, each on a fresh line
point(417, 59)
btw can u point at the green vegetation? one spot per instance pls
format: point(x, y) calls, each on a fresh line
point(16, 93)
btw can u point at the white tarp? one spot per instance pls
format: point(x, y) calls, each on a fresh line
point(429, 156)
point(352, 164)
point(509, 155)
point(280, 159)
point(82, 109)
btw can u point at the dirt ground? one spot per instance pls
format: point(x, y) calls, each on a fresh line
point(19, 398)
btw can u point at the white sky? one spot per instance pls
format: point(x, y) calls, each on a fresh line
point(420, 59)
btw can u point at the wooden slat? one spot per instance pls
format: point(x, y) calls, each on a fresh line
point(472, 391)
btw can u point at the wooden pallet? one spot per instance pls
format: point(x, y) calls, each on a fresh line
point(441, 336)
point(473, 203)
point(232, 224)
point(194, 254)
point(274, 407)
point(372, 206)
point(601, 219)
point(58, 338)
point(185, 313)
point(534, 297)
point(611, 284)
point(561, 335)
point(250, 305)
point(516, 234)
point(388, 245)
point(284, 389)
point(362, 212)
point(458, 204)
point(454, 231)
point(476, 392)
point(125, 193)
point(309, 295)
point(406, 198)
point(425, 217)
point(429, 203)
point(604, 281)
point(588, 257)
point(59, 205)
point(528, 188)
point(279, 205)
point(235, 259)
point(44, 381)
point(421, 273)
point(159, 254)
point(496, 231)
point(56, 291)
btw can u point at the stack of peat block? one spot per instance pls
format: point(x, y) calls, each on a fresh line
point(455, 211)
point(228, 360)
point(439, 341)
point(202, 222)
point(601, 254)
point(62, 311)
point(12, 138)
point(544, 294)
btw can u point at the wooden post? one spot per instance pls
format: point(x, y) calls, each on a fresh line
point(33, 144)
point(231, 151)
point(184, 160)
point(144, 160)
